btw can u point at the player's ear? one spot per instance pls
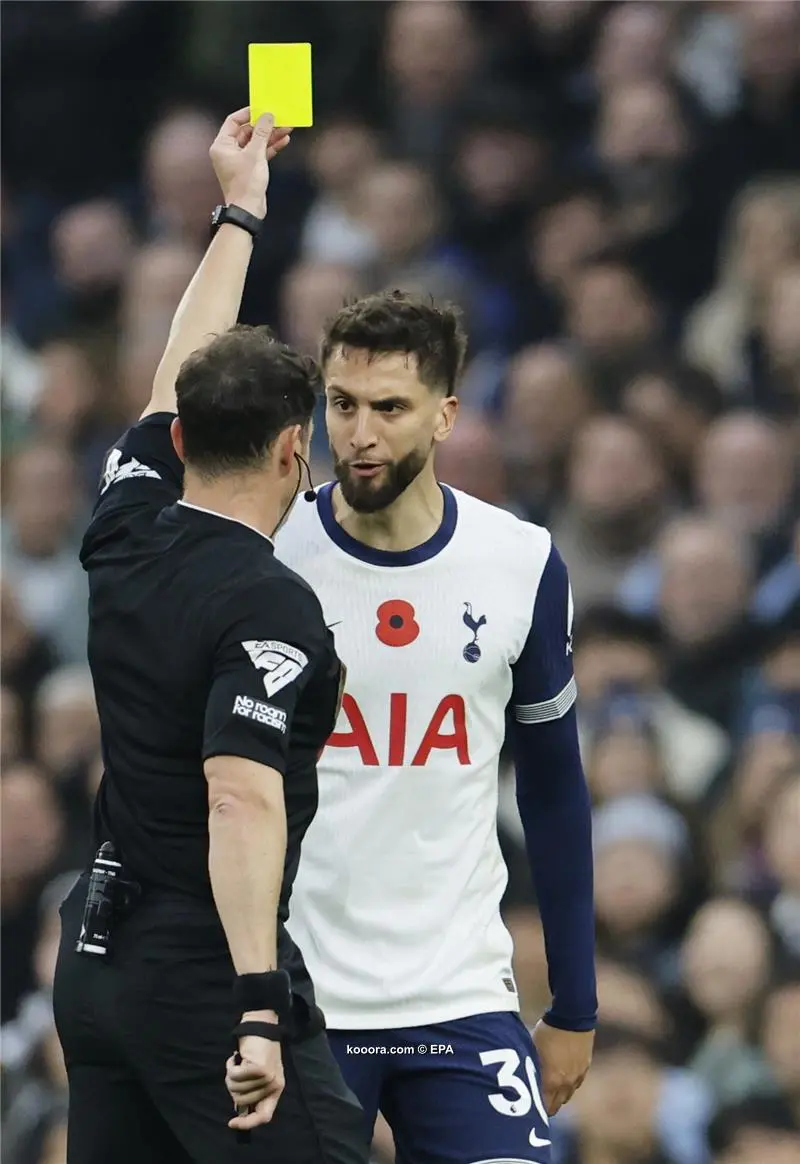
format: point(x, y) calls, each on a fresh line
point(176, 432)
point(448, 410)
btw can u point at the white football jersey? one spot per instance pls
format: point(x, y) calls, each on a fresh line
point(396, 905)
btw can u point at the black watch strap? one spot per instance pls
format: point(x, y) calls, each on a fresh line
point(238, 217)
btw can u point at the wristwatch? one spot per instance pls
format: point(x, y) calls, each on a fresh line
point(238, 217)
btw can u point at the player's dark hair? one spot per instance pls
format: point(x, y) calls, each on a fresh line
point(238, 394)
point(397, 321)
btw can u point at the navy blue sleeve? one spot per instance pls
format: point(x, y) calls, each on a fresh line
point(554, 802)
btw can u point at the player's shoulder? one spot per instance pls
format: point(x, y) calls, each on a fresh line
point(302, 536)
point(515, 542)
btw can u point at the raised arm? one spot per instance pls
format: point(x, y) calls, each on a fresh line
point(241, 154)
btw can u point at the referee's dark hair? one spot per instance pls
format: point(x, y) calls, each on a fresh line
point(237, 395)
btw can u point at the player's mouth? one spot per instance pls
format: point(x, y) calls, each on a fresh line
point(365, 468)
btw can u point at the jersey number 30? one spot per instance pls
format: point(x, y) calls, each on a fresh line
point(525, 1097)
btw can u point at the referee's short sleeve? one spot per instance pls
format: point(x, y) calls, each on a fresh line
point(142, 467)
point(141, 471)
point(266, 653)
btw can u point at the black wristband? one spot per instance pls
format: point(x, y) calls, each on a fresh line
point(272, 1031)
point(270, 991)
point(238, 217)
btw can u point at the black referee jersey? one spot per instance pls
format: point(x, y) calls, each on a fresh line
point(201, 643)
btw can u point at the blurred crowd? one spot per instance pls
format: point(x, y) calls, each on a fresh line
point(611, 192)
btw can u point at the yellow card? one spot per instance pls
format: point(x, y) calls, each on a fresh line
point(280, 83)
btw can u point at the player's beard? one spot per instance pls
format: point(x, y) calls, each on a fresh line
point(365, 495)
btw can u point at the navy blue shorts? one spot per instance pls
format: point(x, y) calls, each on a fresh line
point(460, 1092)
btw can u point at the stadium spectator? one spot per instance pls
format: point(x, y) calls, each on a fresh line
point(642, 856)
point(781, 347)
point(783, 862)
point(617, 499)
point(402, 210)
point(727, 961)
point(32, 836)
point(706, 582)
point(575, 225)
point(761, 236)
point(502, 166)
point(545, 402)
point(618, 656)
point(615, 321)
point(781, 1035)
point(179, 176)
point(758, 1131)
point(629, 1000)
point(676, 403)
point(44, 508)
point(432, 54)
point(624, 757)
point(633, 1107)
point(11, 740)
point(646, 146)
point(472, 460)
point(342, 149)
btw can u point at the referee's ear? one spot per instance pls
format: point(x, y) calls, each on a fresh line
point(292, 441)
point(176, 432)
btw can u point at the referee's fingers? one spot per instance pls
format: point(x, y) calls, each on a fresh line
point(262, 1114)
point(250, 1097)
point(237, 1088)
point(244, 1070)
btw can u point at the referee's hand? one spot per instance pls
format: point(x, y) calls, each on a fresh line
point(256, 1083)
point(241, 154)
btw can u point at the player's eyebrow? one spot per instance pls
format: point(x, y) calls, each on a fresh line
point(383, 402)
point(390, 402)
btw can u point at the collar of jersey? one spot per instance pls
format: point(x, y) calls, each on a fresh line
point(422, 553)
point(224, 517)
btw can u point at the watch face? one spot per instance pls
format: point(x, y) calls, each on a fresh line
point(217, 215)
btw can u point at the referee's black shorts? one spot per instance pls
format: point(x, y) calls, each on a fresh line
point(146, 1036)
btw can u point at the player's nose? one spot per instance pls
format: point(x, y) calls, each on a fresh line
point(363, 436)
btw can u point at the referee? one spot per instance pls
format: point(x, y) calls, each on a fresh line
point(217, 686)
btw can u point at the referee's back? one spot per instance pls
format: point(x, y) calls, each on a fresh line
point(217, 685)
point(180, 599)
